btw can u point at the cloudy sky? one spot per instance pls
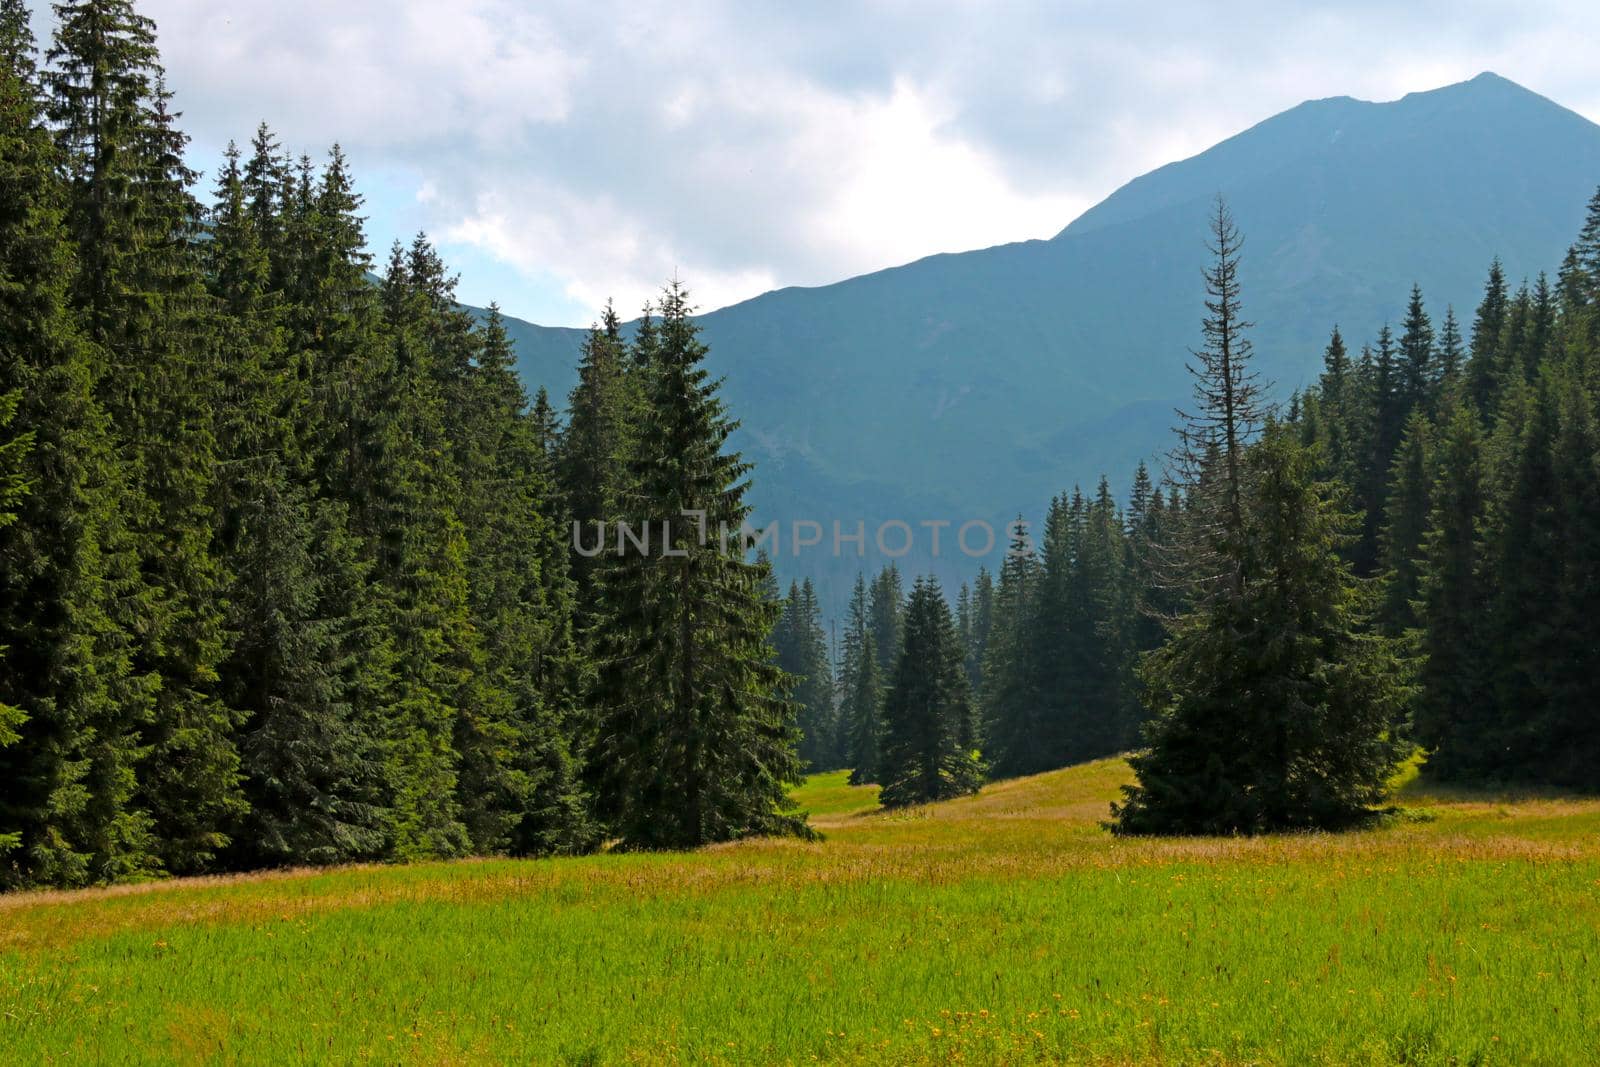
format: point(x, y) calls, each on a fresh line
point(561, 153)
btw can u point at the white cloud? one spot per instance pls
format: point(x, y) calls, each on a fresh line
point(402, 74)
point(894, 182)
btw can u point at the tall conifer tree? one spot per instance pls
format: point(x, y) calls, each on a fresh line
point(1208, 462)
point(864, 702)
point(1405, 523)
point(522, 606)
point(595, 453)
point(929, 741)
point(1010, 696)
point(140, 296)
point(1273, 709)
point(295, 583)
point(885, 609)
point(1271, 705)
point(696, 740)
point(1418, 365)
point(66, 560)
point(981, 624)
point(1488, 325)
point(1451, 351)
point(1524, 553)
point(1452, 703)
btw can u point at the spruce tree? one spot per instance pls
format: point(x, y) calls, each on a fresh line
point(1077, 629)
point(1451, 352)
point(547, 435)
point(1488, 325)
point(310, 757)
point(858, 704)
point(1271, 706)
point(964, 619)
point(1360, 427)
point(1110, 713)
point(1056, 663)
point(333, 327)
point(1405, 524)
point(1568, 731)
point(295, 581)
point(1586, 249)
point(1208, 462)
point(1572, 285)
point(1274, 709)
point(1540, 337)
point(267, 188)
point(1581, 287)
point(1387, 409)
point(595, 453)
point(802, 650)
point(14, 448)
point(1510, 354)
point(1418, 366)
point(646, 343)
point(785, 647)
point(885, 609)
point(67, 562)
point(1011, 714)
point(929, 743)
point(1335, 388)
point(1525, 554)
point(814, 691)
point(1452, 709)
point(1151, 601)
point(981, 624)
point(865, 702)
point(335, 346)
point(498, 713)
point(696, 741)
point(140, 294)
point(1495, 588)
point(449, 726)
point(522, 605)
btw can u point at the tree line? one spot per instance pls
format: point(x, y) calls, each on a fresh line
point(1404, 556)
point(286, 573)
point(1047, 652)
point(1474, 467)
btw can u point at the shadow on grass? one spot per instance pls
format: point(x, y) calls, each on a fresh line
point(1429, 790)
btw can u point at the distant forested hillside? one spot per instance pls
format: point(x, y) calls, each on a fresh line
point(980, 384)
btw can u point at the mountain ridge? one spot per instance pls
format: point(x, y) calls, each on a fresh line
point(977, 384)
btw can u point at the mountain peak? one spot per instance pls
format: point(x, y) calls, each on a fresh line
point(1318, 133)
point(1490, 80)
point(1483, 87)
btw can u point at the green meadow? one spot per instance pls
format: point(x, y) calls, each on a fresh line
point(1006, 927)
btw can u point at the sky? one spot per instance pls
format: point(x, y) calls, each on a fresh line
point(560, 154)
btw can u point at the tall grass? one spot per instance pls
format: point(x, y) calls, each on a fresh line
point(1003, 927)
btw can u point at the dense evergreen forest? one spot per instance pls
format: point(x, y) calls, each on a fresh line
point(1408, 554)
point(288, 573)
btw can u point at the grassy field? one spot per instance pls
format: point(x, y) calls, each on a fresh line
point(1007, 927)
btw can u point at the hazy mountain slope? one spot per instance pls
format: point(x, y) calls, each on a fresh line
point(978, 384)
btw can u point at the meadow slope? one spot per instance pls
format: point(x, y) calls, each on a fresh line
point(1006, 927)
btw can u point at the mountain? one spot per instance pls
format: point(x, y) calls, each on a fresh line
point(977, 385)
